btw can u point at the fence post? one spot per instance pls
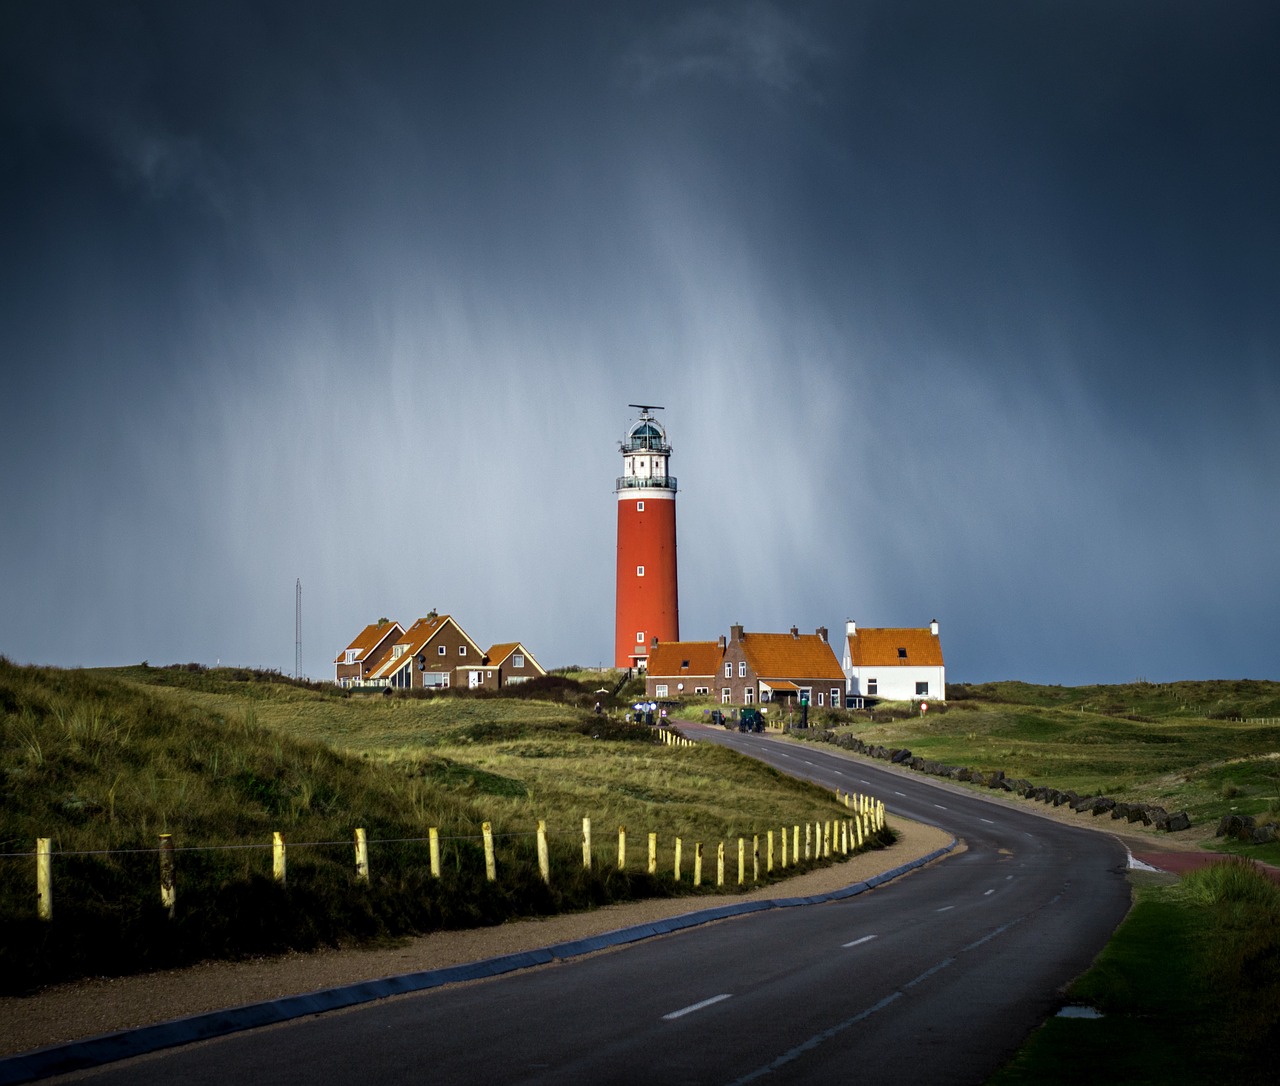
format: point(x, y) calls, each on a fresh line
point(586, 843)
point(697, 863)
point(622, 848)
point(720, 864)
point(826, 840)
point(362, 855)
point(742, 859)
point(490, 863)
point(433, 838)
point(278, 857)
point(808, 840)
point(785, 835)
point(755, 858)
point(653, 854)
point(544, 862)
point(168, 884)
point(795, 844)
point(44, 878)
point(677, 859)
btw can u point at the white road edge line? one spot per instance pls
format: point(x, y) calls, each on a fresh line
point(987, 821)
point(940, 806)
point(899, 793)
point(864, 939)
point(944, 908)
point(696, 1007)
point(988, 893)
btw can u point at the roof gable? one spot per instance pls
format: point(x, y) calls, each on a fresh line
point(416, 639)
point(893, 646)
point(369, 639)
point(800, 656)
point(500, 653)
point(672, 658)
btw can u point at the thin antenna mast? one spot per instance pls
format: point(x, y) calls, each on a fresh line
point(297, 631)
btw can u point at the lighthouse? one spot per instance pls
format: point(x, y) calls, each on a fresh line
point(647, 605)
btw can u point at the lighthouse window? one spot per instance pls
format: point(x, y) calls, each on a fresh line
point(639, 507)
point(639, 571)
point(640, 637)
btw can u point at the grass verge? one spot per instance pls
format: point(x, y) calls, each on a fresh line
point(1188, 988)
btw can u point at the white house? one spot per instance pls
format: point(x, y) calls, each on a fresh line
point(894, 663)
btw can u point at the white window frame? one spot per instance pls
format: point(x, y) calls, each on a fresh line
point(351, 655)
point(822, 698)
point(728, 669)
point(873, 688)
point(639, 571)
point(640, 637)
point(441, 650)
point(922, 693)
point(517, 659)
point(835, 697)
point(742, 669)
point(701, 690)
point(639, 507)
point(462, 650)
point(660, 690)
point(726, 696)
point(748, 695)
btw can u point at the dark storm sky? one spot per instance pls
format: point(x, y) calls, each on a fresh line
point(967, 311)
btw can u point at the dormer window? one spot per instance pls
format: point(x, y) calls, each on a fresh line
point(398, 651)
point(351, 655)
point(902, 654)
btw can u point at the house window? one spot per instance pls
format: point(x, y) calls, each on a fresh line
point(821, 698)
point(351, 655)
point(922, 690)
point(398, 651)
point(639, 571)
point(701, 690)
point(749, 694)
point(724, 696)
point(517, 660)
point(872, 687)
point(660, 691)
point(902, 654)
point(728, 670)
point(441, 649)
point(835, 697)
point(462, 650)
point(742, 669)
point(639, 507)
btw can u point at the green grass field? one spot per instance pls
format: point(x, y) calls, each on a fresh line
point(104, 761)
point(1207, 748)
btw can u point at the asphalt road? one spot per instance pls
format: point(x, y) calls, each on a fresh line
point(936, 978)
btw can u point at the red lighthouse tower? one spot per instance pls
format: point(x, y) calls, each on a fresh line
point(647, 605)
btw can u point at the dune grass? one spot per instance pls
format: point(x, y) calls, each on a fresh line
point(1188, 989)
point(102, 762)
point(1139, 743)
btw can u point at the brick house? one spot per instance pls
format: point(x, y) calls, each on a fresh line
point(769, 667)
point(426, 657)
point(894, 663)
point(505, 664)
point(682, 669)
point(363, 656)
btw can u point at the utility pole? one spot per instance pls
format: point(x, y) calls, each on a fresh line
point(297, 630)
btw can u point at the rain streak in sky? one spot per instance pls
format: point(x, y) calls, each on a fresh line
point(967, 312)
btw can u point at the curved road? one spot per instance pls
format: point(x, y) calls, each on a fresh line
point(934, 978)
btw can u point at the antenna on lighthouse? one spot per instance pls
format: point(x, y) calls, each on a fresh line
point(646, 408)
point(297, 630)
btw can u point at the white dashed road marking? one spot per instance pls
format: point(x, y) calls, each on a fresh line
point(695, 1007)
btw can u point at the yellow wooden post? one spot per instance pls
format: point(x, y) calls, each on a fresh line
point(544, 862)
point(168, 882)
point(846, 799)
point(826, 839)
point(490, 861)
point(859, 825)
point(720, 864)
point(755, 858)
point(677, 859)
point(808, 840)
point(795, 844)
point(586, 843)
point(742, 861)
point(278, 857)
point(362, 855)
point(653, 854)
point(622, 848)
point(433, 839)
point(44, 877)
point(697, 864)
point(785, 835)
point(844, 837)
point(769, 856)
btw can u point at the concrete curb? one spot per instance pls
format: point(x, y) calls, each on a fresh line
point(124, 1044)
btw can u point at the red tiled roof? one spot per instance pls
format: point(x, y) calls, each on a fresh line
point(684, 658)
point(879, 647)
point(416, 638)
point(804, 656)
point(369, 638)
point(498, 654)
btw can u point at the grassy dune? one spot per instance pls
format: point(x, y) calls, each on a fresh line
point(1193, 746)
point(104, 761)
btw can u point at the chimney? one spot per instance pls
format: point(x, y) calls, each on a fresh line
point(795, 632)
point(821, 631)
point(720, 643)
point(933, 627)
point(850, 628)
point(735, 633)
point(654, 642)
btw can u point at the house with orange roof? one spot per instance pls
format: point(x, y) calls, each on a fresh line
point(894, 663)
point(786, 668)
point(371, 647)
point(425, 657)
point(505, 664)
point(681, 669)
